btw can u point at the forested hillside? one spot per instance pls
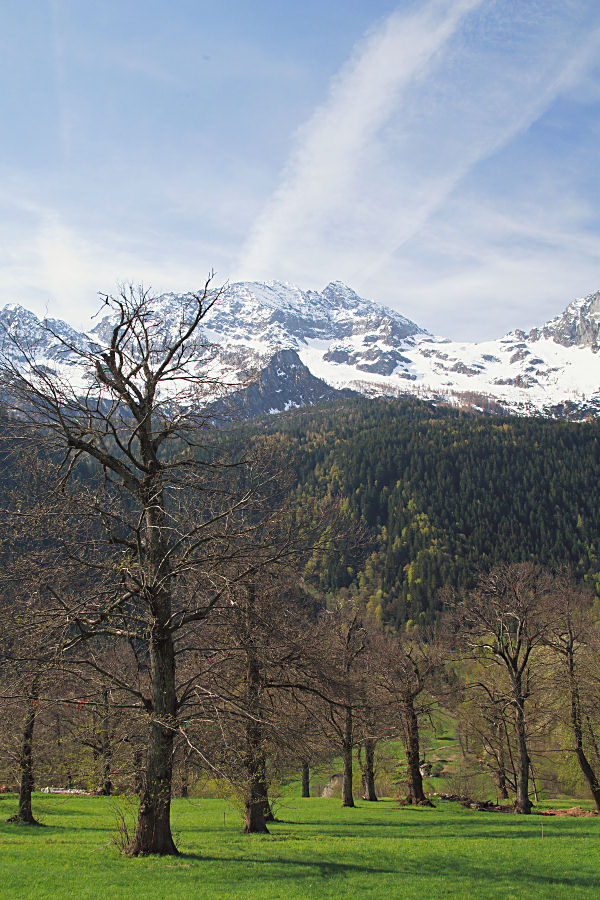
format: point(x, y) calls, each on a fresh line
point(440, 495)
point(443, 494)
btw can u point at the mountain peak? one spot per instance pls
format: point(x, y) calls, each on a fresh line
point(577, 326)
point(349, 343)
point(337, 290)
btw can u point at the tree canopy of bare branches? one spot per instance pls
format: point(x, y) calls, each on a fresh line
point(158, 520)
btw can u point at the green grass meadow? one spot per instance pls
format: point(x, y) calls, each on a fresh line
point(317, 849)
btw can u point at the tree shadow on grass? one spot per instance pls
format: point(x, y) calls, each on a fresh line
point(455, 871)
point(52, 829)
point(444, 835)
point(506, 829)
point(326, 869)
point(521, 874)
point(12, 829)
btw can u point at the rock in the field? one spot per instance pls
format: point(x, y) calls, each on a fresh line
point(335, 784)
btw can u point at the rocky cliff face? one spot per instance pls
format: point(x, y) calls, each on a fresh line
point(577, 326)
point(284, 384)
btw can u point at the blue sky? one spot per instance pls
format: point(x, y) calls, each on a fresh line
point(439, 156)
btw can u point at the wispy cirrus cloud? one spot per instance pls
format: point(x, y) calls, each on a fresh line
point(59, 266)
point(326, 168)
point(448, 169)
point(425, 98)
point(482, 271)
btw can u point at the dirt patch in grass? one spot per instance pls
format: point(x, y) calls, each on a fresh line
point(575, 811)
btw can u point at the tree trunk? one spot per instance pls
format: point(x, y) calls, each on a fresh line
point(369, 771)
point(533, 784)
point(68, 778)
point(153, 831)
point(305, 779)
point(267, 811)
point(522, 803)
point(254, 821)
point(256, 801)
point(25, 813)
point(501, 774)
point(256, 795)
point(347, 798)
point(138, 771)
point(584, 764)
point(501, 784)
point(592, 736)
point(416, 793)
point(106, 787)
point(185, 789)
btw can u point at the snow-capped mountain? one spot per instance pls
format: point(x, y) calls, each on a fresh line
point(300, 347)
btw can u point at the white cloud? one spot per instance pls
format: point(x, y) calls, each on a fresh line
point(395, 185)
point(56, 268)
point(424, 99)
point(320, 179)
point(480, 271)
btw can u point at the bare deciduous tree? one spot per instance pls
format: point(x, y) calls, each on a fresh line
point(160, 518)
point(570, 635)
point(501, 623)
point(407, 665)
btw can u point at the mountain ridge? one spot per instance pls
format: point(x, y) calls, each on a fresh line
point(335, 342)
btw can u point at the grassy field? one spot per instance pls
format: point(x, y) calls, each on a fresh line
point(316, 850)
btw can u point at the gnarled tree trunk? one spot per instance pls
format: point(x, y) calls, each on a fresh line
point(254, 821)
point(305, 779)
point(106, 787)
point(153, 831)
point(584, 764)
point(267, 810)
point(138, 771)
point(369, 771)
point(501, 785)
point(522, 802)
point(184, 790)
point(347, 797)
point(416, 794)
point(501, 771)
point(256, 800)
point(25, 813)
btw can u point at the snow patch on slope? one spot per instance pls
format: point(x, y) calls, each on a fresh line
point(352, 343)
